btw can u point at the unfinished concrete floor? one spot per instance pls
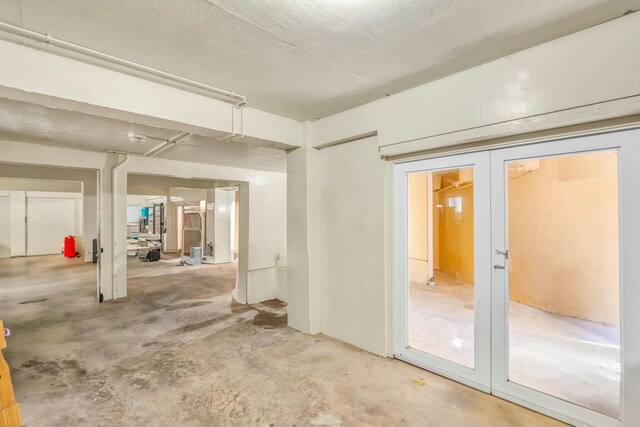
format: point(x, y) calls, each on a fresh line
point(179, 352)
point(573, 359)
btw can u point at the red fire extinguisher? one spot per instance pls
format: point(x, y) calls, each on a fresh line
point(69, 246)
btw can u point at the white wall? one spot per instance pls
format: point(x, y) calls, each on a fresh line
point(51, 217)
point(210, 220)
point(5, 224)
point(586, 76)
point(36, 222)
point(351, 250)
point(24, 184)
point(18, 221)
point(144, 200)
point(268, 234)
point(16, 188)
point(23, 177)
point(224, 200)
point(339, 279)
point(194, 195)
point(302, 314)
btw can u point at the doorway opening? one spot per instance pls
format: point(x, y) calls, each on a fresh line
point(183, 235)
point(48, 222)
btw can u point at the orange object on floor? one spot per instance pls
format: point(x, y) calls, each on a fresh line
point(9, 409)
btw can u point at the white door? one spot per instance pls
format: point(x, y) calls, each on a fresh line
point(566, 240)
point(548, 315)
point(443, 321)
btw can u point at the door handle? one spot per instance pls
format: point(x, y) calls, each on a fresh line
point(504, 252)
point(498, 267)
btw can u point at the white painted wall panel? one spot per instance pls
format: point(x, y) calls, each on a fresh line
point(133, 214)
point(18, 223)
point(351, 245)
point(261, 293)
point(223, 206)
point(299, 308)
point(343, 191)
point(49, 220)
point(5, 226)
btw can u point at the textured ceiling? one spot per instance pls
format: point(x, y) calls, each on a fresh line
point(311, 58)
point(20, 121)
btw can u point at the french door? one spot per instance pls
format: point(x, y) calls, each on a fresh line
point(444, 329)
point(517, 272)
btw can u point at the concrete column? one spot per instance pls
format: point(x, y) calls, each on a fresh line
point(110, 287)
point(301, 235)
point(210, 230)
point(18, 223)
point(171, 225)
point(90, 215)
point(222, 224)
point(240, 292)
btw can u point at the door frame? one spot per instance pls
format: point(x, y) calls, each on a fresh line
point(629, 248)
point(627, 142)
point(480, 375)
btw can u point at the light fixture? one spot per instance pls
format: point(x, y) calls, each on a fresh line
point(135, 138)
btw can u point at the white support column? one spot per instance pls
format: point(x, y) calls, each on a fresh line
point(222, 221)
point(18, 223)
point(240, 292)
point(210, 227)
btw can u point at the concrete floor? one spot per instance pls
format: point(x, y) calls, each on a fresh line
point(574, 359)
point(179, 352)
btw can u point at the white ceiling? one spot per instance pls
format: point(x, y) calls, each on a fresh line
point(20, 121)
point(311, 58)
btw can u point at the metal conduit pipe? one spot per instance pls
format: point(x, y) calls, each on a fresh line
point(231, 97)
point(170, 143)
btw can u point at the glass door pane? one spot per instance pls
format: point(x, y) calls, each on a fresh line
point(441, 263)
point(442, 266)
point(563, 278)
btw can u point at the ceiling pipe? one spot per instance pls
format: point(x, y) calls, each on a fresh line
point(228, 96)
point(169, 144)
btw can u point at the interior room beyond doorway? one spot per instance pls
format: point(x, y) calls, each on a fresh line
point(182, 221)
point(563, 323)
